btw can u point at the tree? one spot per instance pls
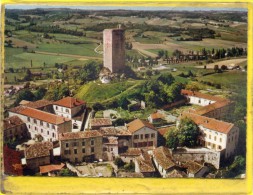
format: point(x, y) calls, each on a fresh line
point(25, 94)
point(97, 106)
point(224, 67)
point(166, 78)
point(174, 91)
point(188, 132)
point(172, 139)
point(31, 63)
point(119, 162)
point(123, 103)
point(28, 75)
point(149, 73)
point(40, 93)
point(216, 68)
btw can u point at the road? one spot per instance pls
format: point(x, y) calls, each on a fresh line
point(68, 55)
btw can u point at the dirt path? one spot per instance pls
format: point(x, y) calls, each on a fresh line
point(224, 62)
point(68, 55)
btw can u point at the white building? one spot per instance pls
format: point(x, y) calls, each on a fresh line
point(42, 123)
point(215, 134)
point(71, 108)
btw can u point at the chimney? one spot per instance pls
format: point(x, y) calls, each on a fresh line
point(119, 26)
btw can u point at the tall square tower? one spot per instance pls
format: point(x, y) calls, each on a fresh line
point(114, 49)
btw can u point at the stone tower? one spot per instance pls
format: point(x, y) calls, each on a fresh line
point(114, 49)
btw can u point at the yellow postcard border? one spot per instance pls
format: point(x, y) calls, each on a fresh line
point(43, 185)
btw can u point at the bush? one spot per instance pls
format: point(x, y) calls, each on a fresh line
point(119, 162)
point(129, 167)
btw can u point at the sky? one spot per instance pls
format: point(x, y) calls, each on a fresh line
point(24, 7)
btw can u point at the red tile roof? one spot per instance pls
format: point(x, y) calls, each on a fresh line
point(205, 109)
point(49, 168)
point(40, 115)
point(38, 104)
point(132, 152)
point(138, 124)
point(164, 130)
point(79, 135)
point(145, 163)
point(157, 115)
point(209, 123)
point(69, 102)
point(201, 95)
point(193, 167)
point(38, 150)
point(98, 122)
point(163, 157)
point(12, 121)
point(112, 141)
point(114, 131)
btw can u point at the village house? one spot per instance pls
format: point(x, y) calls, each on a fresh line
point(143, 133)
point(97, 123)
point(212, 106)
point(83, 146)
point(43, 105)
point(14, 127)
point(38, 154)
point(163, 161)
point(143, 164)
point(130, 154)
point(68, 107)
point(42, 123)
point(121, 133)
point(195, 169)
point(215, 134)
point(110, 147)
point(156, 117)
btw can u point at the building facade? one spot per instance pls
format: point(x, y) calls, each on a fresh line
point(15, 128)
point(84, 146)
point(144, 134)
point(42, 123)
point(215, 134)
point(114, 49)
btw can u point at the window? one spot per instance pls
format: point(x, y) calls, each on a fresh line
point(29, 126)
point(10, 131)
point(135, 145)
point(67, 110)
point(153, 135)
point(146, 136)
point(34, 120)
point(136, 136)
point(53, 134)
point(214, 138)
point(111, 149)
point(67, 145)
point(75, 151)
point(83, 143)
point(47, 132)
point(92, 142)
point(53, 127)
point(83, 150)
point(219, 147)
point(48, 125)
point(75, 144)
point(199, 101)
point(41, 130)
point(35, 128)
point(92, 149)
point(41, 123)
point(141, 136)
point(150, 143)
point(220, 139)
point(56, 107)
point(210, 137)
point(29, 119)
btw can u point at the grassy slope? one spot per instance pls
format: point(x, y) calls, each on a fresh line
point(96, 92)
